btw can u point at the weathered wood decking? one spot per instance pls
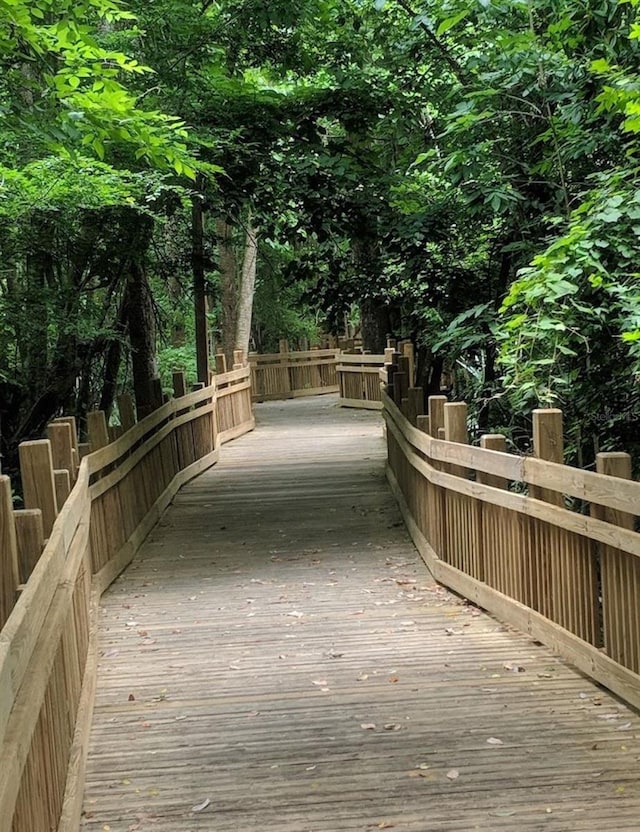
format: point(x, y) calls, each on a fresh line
point(278, 658)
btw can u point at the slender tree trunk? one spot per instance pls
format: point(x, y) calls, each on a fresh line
point(199, 289)
point(247, 289)
point(142, 337)
point(228, 284)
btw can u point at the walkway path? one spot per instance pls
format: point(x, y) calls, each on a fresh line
point(278, 659)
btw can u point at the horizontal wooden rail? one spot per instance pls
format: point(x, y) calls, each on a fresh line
point(359, 380)
point(499, 529)
point(288, 375)
point(48, 644)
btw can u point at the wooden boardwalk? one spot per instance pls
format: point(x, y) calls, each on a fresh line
point(278, 659)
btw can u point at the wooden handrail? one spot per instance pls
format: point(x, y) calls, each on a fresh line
point(497, 528)
point(48, 645)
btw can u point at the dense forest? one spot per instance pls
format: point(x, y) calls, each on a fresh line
point(463, 173)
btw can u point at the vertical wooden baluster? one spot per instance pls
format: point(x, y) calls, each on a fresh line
point(60, 436)
point(436, 414)
point(495, 556)
point(179, 384)
point(126, 411)
point(62, 482)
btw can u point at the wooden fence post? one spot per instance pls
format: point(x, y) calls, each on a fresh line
point(179, 384)
point(62, 480)
point(455, 430)
point(97, 429)
point(423, 423)
point(436, 414)
point(409, 354)
point(548, 443)
point(126, 411)
point(493, 442)
point(221, 363)
point(9, 575)
point(30, 537)
point(415, 404)
point(59, 434)
point(38, 485)
point(238, 359)
point(620, 574)
point(71, 421)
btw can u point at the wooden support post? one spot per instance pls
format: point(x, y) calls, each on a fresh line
point(388, 355)
point(30, 537)
point(59, 434)
point(455, 422)
point(441, 433)
point(391, 343)
point(115, 432)
point(283, 346)
point(415, 406)
point(221, 363)
point(548, 443)
point(493, 442)
point(399, 386)
point(126, 411)
point(179, 384)
point(409, 354)
point(97, 430)
point(157, 394)
point(436, 413)
point(62, 482)
point(423, 423)
point(71, 421)
point(38, 485)
point(238, 359)
point(9, 573)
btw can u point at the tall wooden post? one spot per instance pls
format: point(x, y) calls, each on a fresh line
point(97, 429)
point(436, 414)
point(221, 363)
point(493, 442)
point(455, 430)
point(126, 411)
point(179, 384)
point(548, 443)
point(9, 576)
point(59, 434)
point(30, 537)
point(38, 485)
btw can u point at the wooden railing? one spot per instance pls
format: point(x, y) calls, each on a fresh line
point(548, 548)
point(48, 649)
point(288, 375)
point(359, 380)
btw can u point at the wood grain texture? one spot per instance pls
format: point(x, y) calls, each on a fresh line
point(278, 608)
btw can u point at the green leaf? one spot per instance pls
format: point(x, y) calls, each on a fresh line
point(450, 22)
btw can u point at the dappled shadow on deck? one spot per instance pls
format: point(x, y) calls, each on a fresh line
point(278, 658)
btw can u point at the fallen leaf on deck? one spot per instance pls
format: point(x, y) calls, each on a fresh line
point(453, 774)
point(362, 677)
point(132, 698)
point(200, 807)
point(392, 726)
point(393, 679)
point(310, 768)
point(321, 683)
point(368, 726)
point(502, 813)
point(295, 614)
point(494, 741)
point(514, 668)
point(624, 727)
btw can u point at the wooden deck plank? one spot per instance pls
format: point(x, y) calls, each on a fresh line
point(277, 609)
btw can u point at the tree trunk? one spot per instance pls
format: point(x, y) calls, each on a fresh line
point(142, 337)
point(247, 289)
point(228, 279)
point(199, 290)
point(376, 324)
